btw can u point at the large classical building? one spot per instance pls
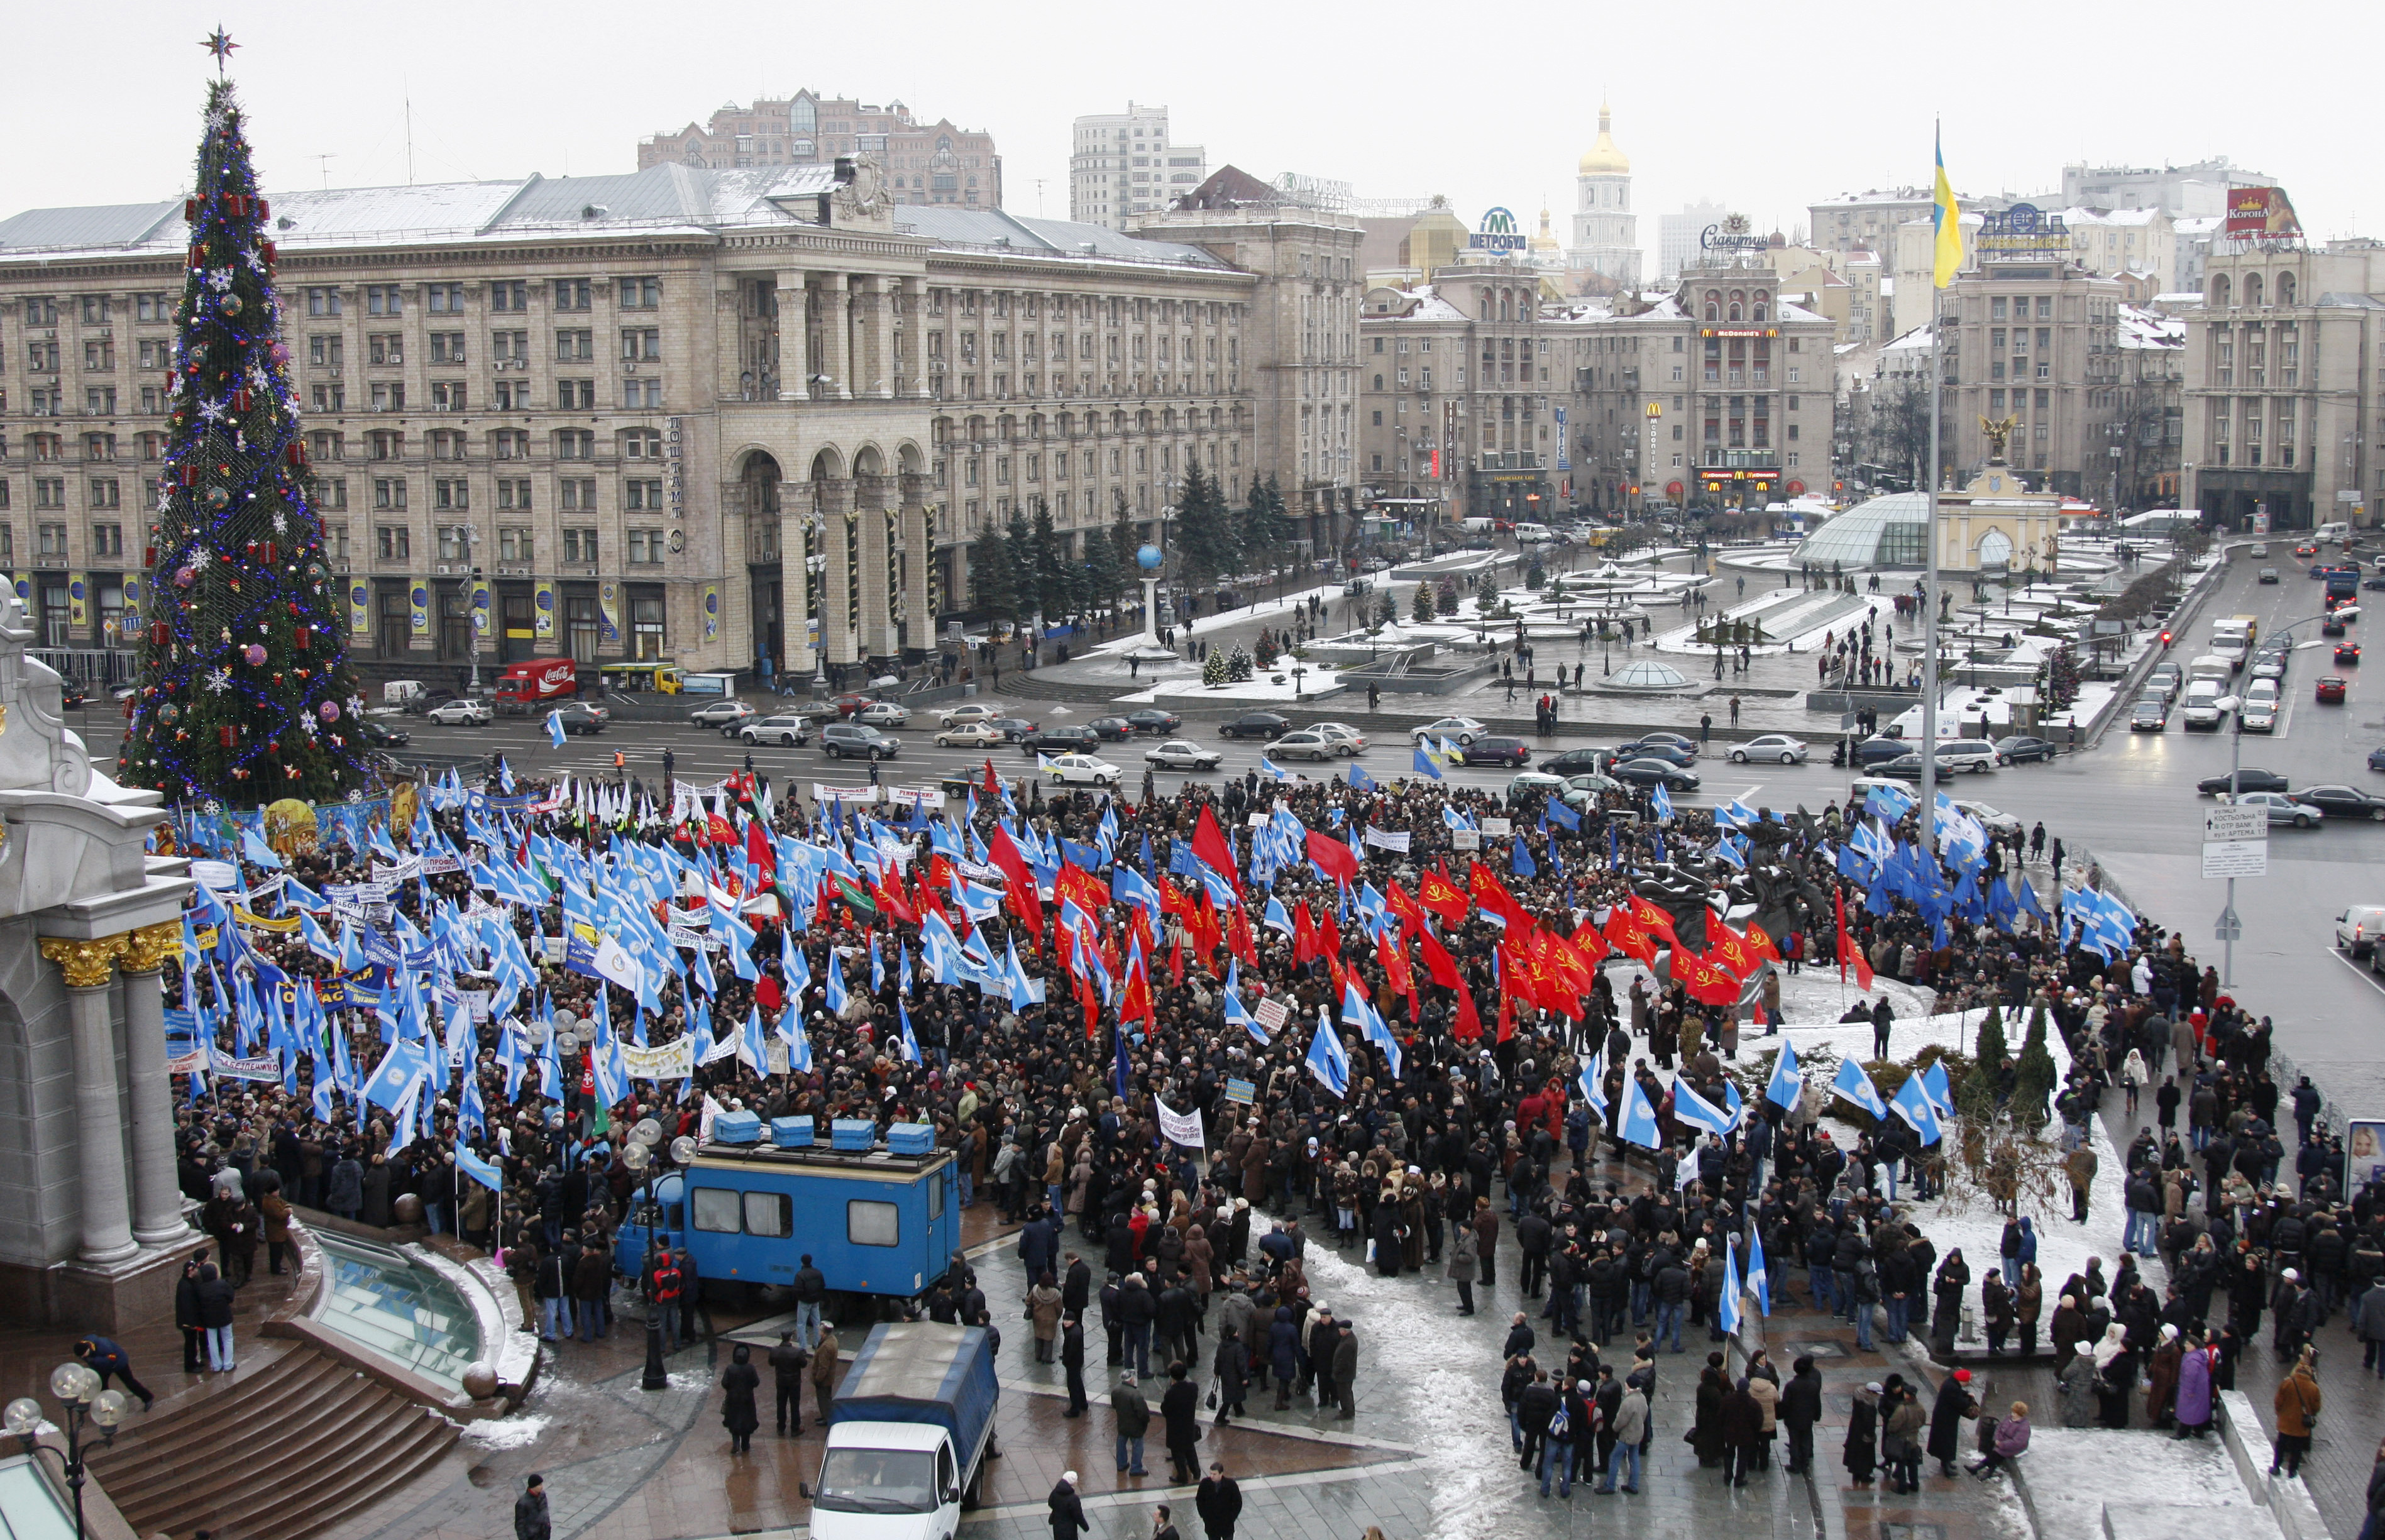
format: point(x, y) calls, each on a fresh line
point(1123, 164)
point(925, 162)
point(2283, 385)
point(2032, 338)
point(1606, 231)
point(630, 406)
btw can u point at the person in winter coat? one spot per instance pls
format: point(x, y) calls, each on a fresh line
point(2076, 1380)
point(186, 1314)
point(2029, 1304)
point(1801, 1407)
point(1954, 1277)
point(1862, 1453)
point(738, 1413)
point(1630, 1426)
point(1462, 1266)
point(2068, 1326)
point(343, 1189)
point(1068, 1511)
point(1219, 1503)
point(1706, 1434)
point(826, 1372)
point(1901, 1436)
point(1043, 1309)
point(1181, 1406)
point(2296, 1404)
point(2194, 1401)
point(1345, 1369)
point(2161, 1377)
point(2011, 1442)
point(1132, 1415)
point(788, 1361)
point(1284, 1354)
point(1072, 1364)
point(531, 1517)
point(2368, 1324)
point(1955, 1404)
point(1740, 1422)
point(1232, 1380)
point(592, 1280)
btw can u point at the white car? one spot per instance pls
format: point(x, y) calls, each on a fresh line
point(1182, 754)
point(792, 730)
point(1355, 742)
point(883, 713)
point(2280, 808)
point(1990, 818)
point(974, 711)
point(1306, 744)
point(722, 714)
point(1460, 731)
point(1082, 769)
point(1772, 746)
point(460, 712)
point(974, 735)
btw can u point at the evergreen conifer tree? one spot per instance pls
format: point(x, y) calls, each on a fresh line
point(1422, 609)
point(245, 691)
point(2033, 1074)
point(1056, 587)
point(990, 586)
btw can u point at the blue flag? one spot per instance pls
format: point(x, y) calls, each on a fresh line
point(1730, 1308)
point(1328, 1060)
point(1788, 1081)
point(1855, 1084)
point(1759, 1281)
point(1594, 1083)
point(1911, 1104)
point(1425, 764)
point(554, 728)
point(1639, 1124)
point(483, 1171)
point(1521, 862)
point(1360, 780)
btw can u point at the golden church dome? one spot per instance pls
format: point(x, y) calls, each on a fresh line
point(1602, 160)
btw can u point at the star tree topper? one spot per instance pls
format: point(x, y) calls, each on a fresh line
point(220, 44)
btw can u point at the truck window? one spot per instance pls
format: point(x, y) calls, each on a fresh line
point(869, 1223)
point(936, 1194)
point(719, 1209)
point(770, 1214)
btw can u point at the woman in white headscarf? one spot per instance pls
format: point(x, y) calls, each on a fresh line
point(2115, 1377)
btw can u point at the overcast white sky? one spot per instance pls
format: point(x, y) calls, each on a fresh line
point(1761, 106)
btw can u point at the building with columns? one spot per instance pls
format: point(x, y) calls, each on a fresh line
point(92, 1229)
point(713, 416)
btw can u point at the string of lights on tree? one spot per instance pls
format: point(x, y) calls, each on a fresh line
point(245, 691)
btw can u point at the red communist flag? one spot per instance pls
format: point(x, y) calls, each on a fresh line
point(1589, 944)
point(1437, 961)
point(993, 784)
point(1759, 942)
point(758, 853)
point(1303, 933)
point(1572, 969)
point(1493, 894)
point(1649, 918)
point(889, 894)
point(1628, 937)
point(1399, 903)
point(1021, 894)
point(1469, 1021)
point(1209, 843)
point(1515, 980)
point(1207, 934)
point(1708, 982)
point(1443, 898)
point(1850, 953)
point(1332, 858)
point(1730, 949)
point(1239, 938)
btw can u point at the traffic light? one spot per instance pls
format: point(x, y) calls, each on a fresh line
point(2164, 636)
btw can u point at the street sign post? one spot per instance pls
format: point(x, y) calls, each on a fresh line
point(2230, 928)
point(2236, 843)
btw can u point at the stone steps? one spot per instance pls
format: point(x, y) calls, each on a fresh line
point(283, 1455)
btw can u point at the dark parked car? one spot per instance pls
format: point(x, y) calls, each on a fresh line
point(1650, 772)
point(1672, 754)
point(2377, 758)
point(1877, 751)
point(1060, 740)
point(1498, 751)
point(845, 740)
point(578, 717)
point(1255, 724)
point(377, 735)
point(2247, 780)
point(1149, 720)
point(1012, 728)
point(71, 694)
point(2343, 802)
point(1658, 739)
point(1579, 761)
point(1117, 729)
point(1904, 767)
point(2021, 749)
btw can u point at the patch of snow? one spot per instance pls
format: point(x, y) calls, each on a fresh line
point(1317, 684)
point(507, 1433)
point(2074, 1473)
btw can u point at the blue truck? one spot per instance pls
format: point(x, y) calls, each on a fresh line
point(874, 1223)
point(909, 1432)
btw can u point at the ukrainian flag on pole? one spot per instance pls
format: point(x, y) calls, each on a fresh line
point(1948, 219)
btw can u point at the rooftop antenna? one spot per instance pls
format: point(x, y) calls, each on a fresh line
point(1039, 197)
point(323, 164)
point(409, 136)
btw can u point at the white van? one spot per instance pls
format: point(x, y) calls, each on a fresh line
point(2203, 710)
point(2337, 531)
point(2211, 666)
point(2230, 650)
point(1535, 534)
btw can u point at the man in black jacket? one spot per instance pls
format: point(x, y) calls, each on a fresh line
point(1219, 1503)
point(1800, 1409)
point(1534, 1234)
point(1534, 1410)
point(1067, 1511)
point(811, 1293)
point(787, 1362)
point(1181, 1406)
point(530, 1522)
point(1072, 1359)
point(1075, 1286)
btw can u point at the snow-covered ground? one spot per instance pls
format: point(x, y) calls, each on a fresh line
point(2074, 1473)
point(1316, 684)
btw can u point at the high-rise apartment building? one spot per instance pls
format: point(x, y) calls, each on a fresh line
point(1676, 236)
point(2199, 191)
point(1121, 164)
point(924, 162)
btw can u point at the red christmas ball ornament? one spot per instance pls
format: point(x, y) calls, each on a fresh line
point(223, 736)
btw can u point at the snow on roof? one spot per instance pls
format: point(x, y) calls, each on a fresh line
point(1919, 339)
point(2200, 224)
point(2179, 299)
point(2141, 327)
point(664, 197)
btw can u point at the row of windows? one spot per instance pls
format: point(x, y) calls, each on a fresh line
point(509, 296)
point(326, 444)
point(329, 350)
point(330, 397)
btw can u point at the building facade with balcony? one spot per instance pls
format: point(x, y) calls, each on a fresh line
point(934, 163)
point(715, 417)
point(1458, 387)
point(2033, 339)
point(2285, 376)
point(1716, 394)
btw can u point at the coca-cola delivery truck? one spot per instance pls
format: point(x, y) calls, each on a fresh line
point(524, 685)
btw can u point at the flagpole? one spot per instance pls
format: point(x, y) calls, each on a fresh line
point(1929, 602)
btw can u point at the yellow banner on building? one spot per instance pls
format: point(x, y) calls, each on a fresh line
point(418, 603)
point(480, 607)
point(360, 607)
point(711, 611)
point(609, 612)
point(78, 600)
point(542, 609)
point(134, 591)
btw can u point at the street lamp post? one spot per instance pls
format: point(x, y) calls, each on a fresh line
point(77, 1387)
point(638, 1155)
point(475, 621)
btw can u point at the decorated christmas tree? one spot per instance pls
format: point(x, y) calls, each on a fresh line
point(245, 691)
